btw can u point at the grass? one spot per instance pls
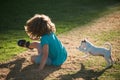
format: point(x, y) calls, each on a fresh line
point(9, 47)
point(106, 36)
point(66, 14)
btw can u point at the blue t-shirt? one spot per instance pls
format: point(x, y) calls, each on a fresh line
point(57, 52)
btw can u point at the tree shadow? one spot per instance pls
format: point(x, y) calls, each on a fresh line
point(18, 72)
point(84, 74)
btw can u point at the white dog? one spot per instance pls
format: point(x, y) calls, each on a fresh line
point(89, 48)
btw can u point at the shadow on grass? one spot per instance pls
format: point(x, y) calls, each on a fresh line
point(18, 72)
point(84, 74)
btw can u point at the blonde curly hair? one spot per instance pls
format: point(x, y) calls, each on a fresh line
point(39, 25)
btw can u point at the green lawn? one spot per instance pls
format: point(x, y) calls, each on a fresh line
point(66, 14)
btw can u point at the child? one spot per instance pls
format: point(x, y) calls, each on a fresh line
point(50, 49)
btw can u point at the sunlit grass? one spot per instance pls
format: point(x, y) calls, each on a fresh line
point(109, 36)
point(9, 47)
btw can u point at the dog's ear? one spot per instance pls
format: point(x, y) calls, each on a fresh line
point(84, 40)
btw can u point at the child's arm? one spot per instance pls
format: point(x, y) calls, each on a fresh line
point(27, 44)
point(34, 45)
point(44, 56)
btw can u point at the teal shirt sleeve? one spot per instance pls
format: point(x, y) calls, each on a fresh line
point(44, 41)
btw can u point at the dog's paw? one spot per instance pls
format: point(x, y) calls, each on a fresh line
point(109, 66)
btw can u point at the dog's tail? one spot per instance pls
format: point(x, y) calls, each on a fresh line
point(108, 44)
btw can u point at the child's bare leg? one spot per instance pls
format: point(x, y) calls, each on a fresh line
point(37, 58)
point(37, 46)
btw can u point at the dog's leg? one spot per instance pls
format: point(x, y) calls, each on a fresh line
point(108, 61)
point(86, 55)
point(111, 60)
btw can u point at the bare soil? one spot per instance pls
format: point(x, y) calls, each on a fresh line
point(75, 68)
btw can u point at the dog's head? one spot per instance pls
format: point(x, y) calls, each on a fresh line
point(82, 46)
point(85, 45)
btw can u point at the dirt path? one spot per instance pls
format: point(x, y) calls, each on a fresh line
point(20, 67)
